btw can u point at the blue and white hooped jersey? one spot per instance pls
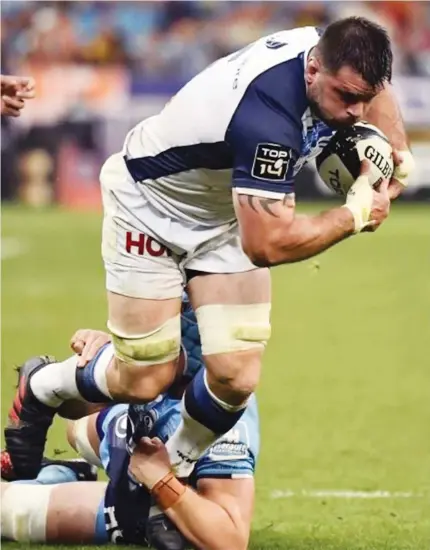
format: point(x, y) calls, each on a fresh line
point(233, 455)
point(246, 116)
point(127, 505)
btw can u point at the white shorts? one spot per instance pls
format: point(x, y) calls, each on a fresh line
point(146, 254)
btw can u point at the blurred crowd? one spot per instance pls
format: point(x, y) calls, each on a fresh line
point(175, 39)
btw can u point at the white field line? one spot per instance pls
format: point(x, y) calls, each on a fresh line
point(334, 493)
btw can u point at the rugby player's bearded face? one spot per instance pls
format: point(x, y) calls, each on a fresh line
point(339, 99)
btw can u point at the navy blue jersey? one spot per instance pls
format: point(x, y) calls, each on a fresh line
point(246, 116)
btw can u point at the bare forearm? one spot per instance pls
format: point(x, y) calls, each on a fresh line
point(308, 236)
point(207, 524)
point(384, 112)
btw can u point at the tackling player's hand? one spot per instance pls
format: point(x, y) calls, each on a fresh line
point(14, 91)
point(86, 343)
point(149, 462)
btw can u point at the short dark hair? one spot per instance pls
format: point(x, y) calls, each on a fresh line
point(360, 44)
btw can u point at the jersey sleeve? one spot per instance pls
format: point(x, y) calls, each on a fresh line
point(265, 132)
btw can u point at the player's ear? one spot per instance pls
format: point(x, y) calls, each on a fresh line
point(313, 67)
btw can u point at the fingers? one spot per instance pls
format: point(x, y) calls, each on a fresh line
point(15, 90)
point(26, 82)
point(14, 103)
point(7, 111)
point(395, 189)
point(77, 346)
point(147, 446)
point(397, 157)
point(11, 106)
point(365, 167)
point(158, 444)
point(86, 343)
point(8, 82)
point(26, 88)
point(78, 340)
point(383, 186)
point(91, 349)
point(26, 94)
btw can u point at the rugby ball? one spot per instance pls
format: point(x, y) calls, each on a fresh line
point(339, 163)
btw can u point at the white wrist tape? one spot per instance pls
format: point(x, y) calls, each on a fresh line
point(359, 202)
point(403, 171)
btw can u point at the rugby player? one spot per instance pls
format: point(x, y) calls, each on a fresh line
point(203, 194)
point(15, 90)
point(135, 507)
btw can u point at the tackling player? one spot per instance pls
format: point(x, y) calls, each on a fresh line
point(203, 194)
point(135, 507)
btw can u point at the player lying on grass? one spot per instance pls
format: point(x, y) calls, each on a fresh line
point(143, 502)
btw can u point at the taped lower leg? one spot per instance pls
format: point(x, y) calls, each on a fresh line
point(83, 444)
point(24, 512)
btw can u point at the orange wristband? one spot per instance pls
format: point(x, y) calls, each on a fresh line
point(168, 491)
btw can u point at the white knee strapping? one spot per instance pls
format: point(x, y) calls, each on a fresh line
point(229, 328)
point(24, 511)
point(158, 346)
point(83, 445)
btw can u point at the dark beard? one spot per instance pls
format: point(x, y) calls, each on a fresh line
point(331, 123)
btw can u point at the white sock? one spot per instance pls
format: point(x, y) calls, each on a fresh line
point(190, 440)
point(56, 383)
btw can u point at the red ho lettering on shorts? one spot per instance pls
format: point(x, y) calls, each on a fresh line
point(142, 244)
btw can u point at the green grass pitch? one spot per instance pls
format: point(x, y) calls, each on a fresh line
point(345, 390)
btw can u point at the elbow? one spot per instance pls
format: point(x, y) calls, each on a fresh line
point(259, 256)
point(260, 250)
point(269, 253)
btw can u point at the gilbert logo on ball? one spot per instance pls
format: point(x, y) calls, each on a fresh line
point(339, 163)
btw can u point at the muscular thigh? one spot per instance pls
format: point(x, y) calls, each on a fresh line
point(136, 316)
point(249, 287)
point(233, 312)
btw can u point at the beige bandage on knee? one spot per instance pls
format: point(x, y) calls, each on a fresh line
point(82, 442)
point(228, 328)
point(158, 346)
point(24, 510)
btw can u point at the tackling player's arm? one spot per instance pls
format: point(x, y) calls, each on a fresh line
point(384, 112)
point(265, 134)
point(216, 517)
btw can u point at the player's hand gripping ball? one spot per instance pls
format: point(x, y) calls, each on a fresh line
point(339, 163)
